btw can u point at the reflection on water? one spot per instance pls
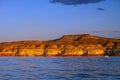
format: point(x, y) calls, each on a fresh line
point(59, 68)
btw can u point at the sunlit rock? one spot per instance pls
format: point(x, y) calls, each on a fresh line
point(30, 52)
point(68, 45)
point(53, 52)
point(71, 50)
point(95, 50)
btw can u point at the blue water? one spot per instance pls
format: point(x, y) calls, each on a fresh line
point(59, 68)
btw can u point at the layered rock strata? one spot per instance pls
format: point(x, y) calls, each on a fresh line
point(68, 45)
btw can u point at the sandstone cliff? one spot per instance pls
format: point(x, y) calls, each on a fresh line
point(68, 45)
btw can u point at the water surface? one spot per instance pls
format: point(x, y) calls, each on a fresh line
point(59, 68)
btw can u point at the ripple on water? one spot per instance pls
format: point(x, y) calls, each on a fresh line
point(59, 68)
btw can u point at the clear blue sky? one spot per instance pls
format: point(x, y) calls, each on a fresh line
point(42, 20)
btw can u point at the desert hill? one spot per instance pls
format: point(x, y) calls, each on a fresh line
point(67, 45)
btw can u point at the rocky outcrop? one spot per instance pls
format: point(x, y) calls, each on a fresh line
point(71, 50)
point(95, 50)
point(30, 52)
point(68, 45)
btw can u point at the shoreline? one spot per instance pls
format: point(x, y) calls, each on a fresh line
point(67, 45)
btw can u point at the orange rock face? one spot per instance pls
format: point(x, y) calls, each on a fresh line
point(71, 50)
point(68, 45)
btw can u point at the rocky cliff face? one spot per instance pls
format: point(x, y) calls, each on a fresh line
point(68, 45)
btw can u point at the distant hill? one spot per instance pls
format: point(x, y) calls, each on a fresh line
point(67, 45)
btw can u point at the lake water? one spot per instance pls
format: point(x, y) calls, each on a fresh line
point(59, 68)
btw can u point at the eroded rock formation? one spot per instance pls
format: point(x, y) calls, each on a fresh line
point(68, 45)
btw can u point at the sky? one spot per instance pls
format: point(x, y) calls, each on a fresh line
point(51, 19)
